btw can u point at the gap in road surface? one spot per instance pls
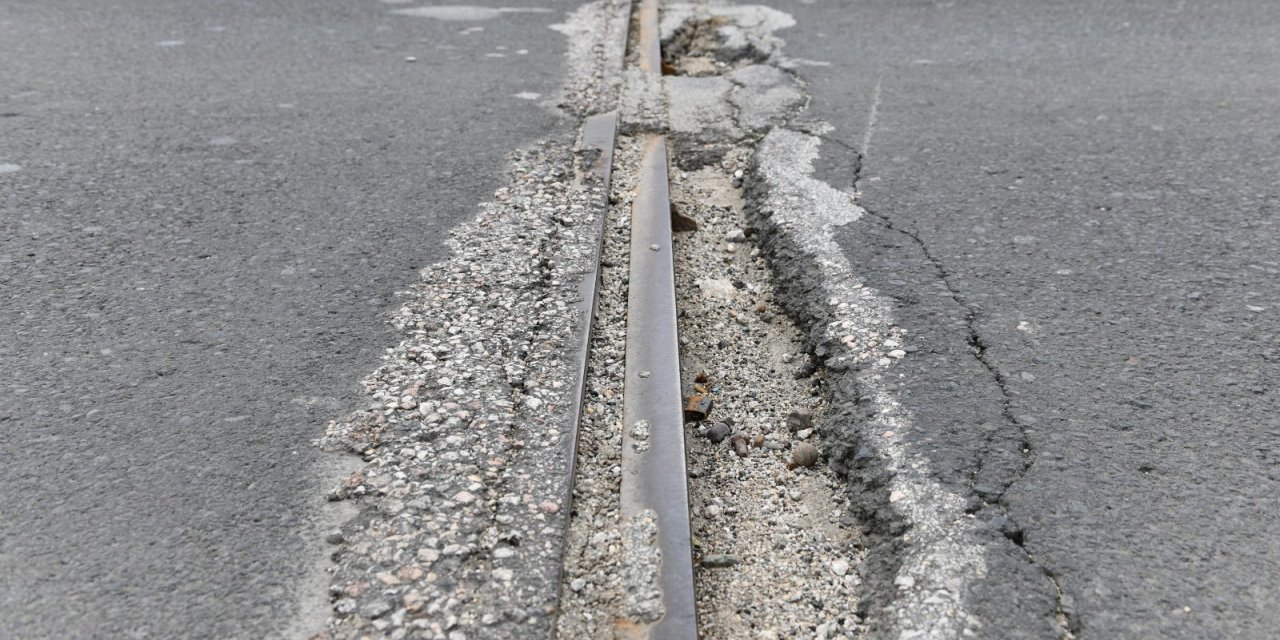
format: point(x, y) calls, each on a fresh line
point(776, 551)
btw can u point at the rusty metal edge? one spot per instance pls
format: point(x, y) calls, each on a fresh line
point(648, 39)
point(654, 478)
point(599, 137)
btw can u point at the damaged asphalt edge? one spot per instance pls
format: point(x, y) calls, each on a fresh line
point(800, 290)
point(925, 549)
point(1065, 610)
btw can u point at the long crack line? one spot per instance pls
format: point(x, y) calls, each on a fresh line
point(1064, 614)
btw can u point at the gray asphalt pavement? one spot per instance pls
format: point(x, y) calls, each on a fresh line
point(1075, 207)
point(205, 211)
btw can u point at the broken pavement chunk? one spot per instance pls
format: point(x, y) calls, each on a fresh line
point(696, 408)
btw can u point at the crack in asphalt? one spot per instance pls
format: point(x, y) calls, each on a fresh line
point(1065, 614)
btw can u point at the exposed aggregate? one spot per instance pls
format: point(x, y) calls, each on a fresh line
point(465, 441)
point(770, 529)
point(592, 593)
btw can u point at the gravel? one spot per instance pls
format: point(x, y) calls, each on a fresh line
point(594, 544)
point(466, 438)
point(763, 533)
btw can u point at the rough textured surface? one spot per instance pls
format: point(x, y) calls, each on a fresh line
point(469, 437)
point(1072, 213)
point(467, 461)
point(786, 527)
point(214, 205)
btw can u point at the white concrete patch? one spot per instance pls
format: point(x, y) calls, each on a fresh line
point(10, 168)
point(527, 95)
point(461, 12)
point(171, 43)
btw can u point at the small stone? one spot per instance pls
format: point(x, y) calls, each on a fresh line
point(736, 235)
point(504, 575)
point(549, 507)
point(797, 420)
point(335, 537)
point(716, 288)
point(413, 601)
point(718, 432)
point(804, 455)
point(904, 582)
point(740, 445)
point(839, 567)
point(375, 609)
point(465, 497)
point(719, 560)
point(577, 584)
point(897, 354)
point(345, 606)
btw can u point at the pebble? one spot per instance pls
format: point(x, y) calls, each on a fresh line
point(718, 432)
point(797, 420)
point(804, 455)
point(375, 609)
point(840, 567)
point(719, 560)
point(736, 235)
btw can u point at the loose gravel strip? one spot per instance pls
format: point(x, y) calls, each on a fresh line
point(771, 531)
point(592, 592)
point(465, 444)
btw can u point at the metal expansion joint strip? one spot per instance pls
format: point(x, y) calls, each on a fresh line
point(654, 480)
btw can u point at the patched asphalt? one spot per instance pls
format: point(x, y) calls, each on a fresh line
point(1074, 208)
point(205, 211)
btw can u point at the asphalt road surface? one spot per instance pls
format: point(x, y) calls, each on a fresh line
point(205, 211)
point(1075, 207)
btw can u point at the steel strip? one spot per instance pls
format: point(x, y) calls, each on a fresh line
point(654, 480)
point(598, 140)
point(596, 148)
point(648, 40)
